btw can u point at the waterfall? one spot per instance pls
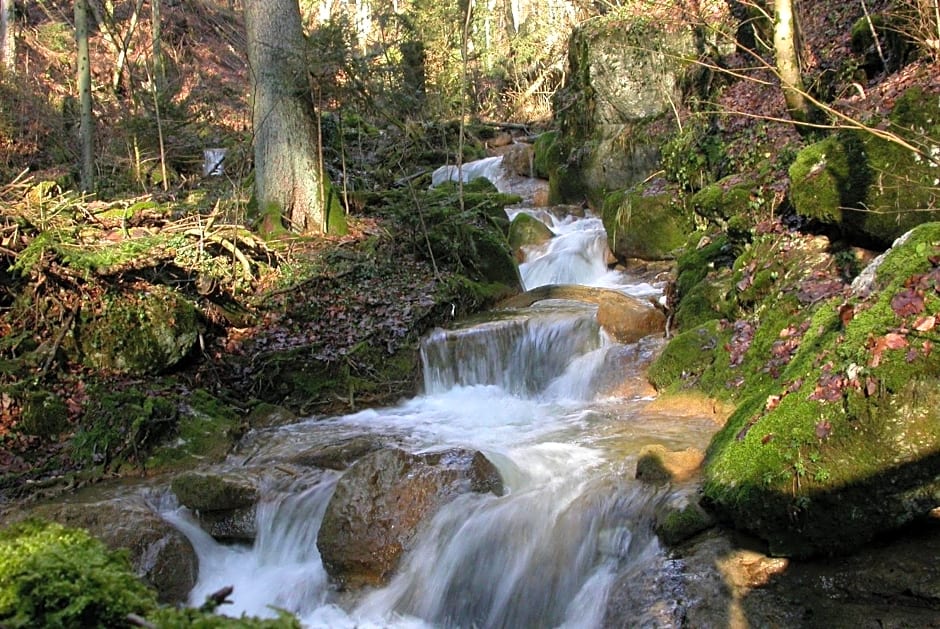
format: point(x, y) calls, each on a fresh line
point(523, 388)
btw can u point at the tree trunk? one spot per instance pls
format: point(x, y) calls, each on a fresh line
point(159, 72)
point(86, 130)
point(7, 37)
point(289, 181)
point(787, 53)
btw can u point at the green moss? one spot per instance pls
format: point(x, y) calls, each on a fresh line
point(189, 618)
point(525, 230)
point(723, 200)
point(120, 427)
point(844, 442)
point(649, 227)
point(828, 176)
point(139, 333)
point(55, 577)
point(872, 188)
point(206, 432)
point(44, 415)
point(683, 361)
point(679, 524)
point(548, 154)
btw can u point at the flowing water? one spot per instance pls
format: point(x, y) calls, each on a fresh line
point(559, 408)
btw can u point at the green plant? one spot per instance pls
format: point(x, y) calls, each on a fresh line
point(52, 577)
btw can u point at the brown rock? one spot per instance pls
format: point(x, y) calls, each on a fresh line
point(159, 554)
point(656, 464)
point(382, 501)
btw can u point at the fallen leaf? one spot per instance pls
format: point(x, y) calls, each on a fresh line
point(908, 302)
point(925, 324)
point(823, 429)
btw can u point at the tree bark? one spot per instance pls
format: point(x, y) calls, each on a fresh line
point(86, 129)
point(787, 53)
point(7, 37)
point(289, 181)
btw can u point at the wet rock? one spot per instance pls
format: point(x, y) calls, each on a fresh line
point(680, 519)
point(659, 465)
point(224, 505)
point(159, 554)
point(629, 320)
point(520, 160)
point(337, 456)
point(526, 231)
point(382, 501)
point(270, 415)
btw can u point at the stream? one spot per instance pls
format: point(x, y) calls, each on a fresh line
point(559, 408)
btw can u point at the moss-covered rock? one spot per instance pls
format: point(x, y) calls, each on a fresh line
point(525, 230)
point(723, 200)
point(677, 522)
point(871, 188)
point(840, 441)
point(45, 414)
point(146, 332)
point(206, 431)
point(624, 73)
point(645, 226)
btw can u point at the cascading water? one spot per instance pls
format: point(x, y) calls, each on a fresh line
point(529, 389)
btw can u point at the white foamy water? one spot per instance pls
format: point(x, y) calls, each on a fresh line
point(527, 388)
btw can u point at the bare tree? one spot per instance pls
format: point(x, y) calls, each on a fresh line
point(7, 37)
point(289, 179)
point(787, 54)
point(86, 121)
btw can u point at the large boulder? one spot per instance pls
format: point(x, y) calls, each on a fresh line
point(623, 73)
point(837, 436)
point(527, 231)
point(383, 499)
point(139, 332)
point(645, 224)
point(869, 188)
point(159, 554)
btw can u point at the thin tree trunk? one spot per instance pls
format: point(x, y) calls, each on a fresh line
point(787, 53)
point(159, 73)
point(7, 37)
point(86, 131)
point(287, 174)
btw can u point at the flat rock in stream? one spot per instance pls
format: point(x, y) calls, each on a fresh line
point(625, 318)
point(384, 498)
point(225, 505)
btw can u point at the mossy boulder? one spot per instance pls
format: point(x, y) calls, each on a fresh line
point(159, 554)
point(649, 226)
point(870, 188)
point(206, 432)
point(680, 519)
point(724, 199)
point(623, 74)
point(547, 154)
point(526, 231)
point(840, 442)
point(139, 332)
